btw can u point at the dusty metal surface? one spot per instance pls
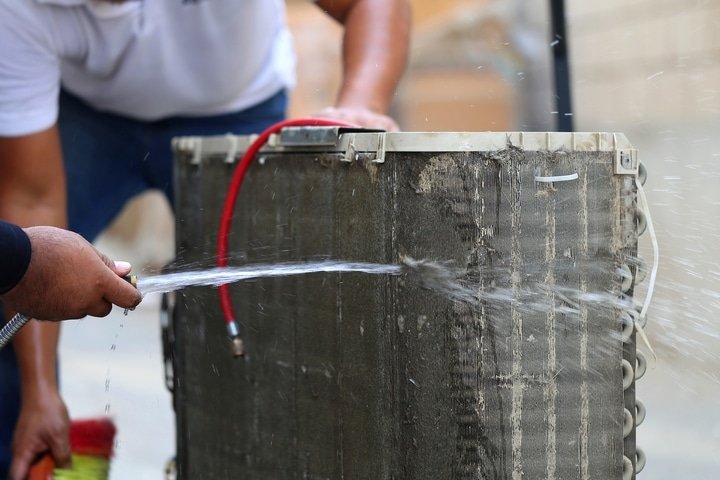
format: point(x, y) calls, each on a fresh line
point(357, 377)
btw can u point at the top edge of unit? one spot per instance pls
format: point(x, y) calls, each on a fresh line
point(362, 141)
point(495, 141)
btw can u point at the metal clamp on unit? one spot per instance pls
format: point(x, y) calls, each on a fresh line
point(626, 161)
point(317, 137)
point(339, 139)
point(309, 136)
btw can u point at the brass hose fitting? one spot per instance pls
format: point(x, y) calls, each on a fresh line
point(131, 279)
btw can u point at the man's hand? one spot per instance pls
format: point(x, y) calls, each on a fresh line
point(376, 42)
point(362, 117)
point(68, 278)
point(44, 425)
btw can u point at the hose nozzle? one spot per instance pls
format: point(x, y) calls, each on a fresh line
point(131, 279)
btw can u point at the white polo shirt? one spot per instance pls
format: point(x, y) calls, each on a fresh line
point(146, 59)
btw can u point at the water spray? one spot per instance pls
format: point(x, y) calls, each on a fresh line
point(428, 273)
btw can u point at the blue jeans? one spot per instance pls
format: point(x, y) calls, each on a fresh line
point(108, 160)
point(9, 404)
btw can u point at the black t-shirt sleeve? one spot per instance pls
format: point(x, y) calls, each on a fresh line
point(15, 253)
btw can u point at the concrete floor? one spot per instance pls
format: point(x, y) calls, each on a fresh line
point(114, 364)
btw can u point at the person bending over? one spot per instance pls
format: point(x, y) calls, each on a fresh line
point(91, 94)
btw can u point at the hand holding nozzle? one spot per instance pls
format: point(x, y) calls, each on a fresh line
point(68, 278)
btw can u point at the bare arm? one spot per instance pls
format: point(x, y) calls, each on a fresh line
point(32, 192)
point(375, 50)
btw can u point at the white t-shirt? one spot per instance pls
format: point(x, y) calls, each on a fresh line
point(145, 59)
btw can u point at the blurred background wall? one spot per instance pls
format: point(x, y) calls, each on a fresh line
point(648, 68)
point(645, 62)
point(473, 64)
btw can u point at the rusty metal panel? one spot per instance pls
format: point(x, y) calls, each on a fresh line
point(355, 376)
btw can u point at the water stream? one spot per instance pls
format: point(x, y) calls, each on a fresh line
point(218, 276)
point(441, 278)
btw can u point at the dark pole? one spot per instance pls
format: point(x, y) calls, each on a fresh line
point(561, 65)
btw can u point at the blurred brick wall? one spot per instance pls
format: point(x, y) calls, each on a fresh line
point(461, 74)
point(456, 100)
point(455, 81)
point(317, 40)
point(631, 60)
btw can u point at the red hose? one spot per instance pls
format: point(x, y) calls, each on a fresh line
point(234, 190)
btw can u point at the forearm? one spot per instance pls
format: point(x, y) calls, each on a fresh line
point(36, 351)
point(32, 186)
point(375, 50)
point(32, 192)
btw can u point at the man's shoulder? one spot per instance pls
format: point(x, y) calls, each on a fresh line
point(13, 10)
point(21, 14)
point(23, 7)
point(29, 70)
